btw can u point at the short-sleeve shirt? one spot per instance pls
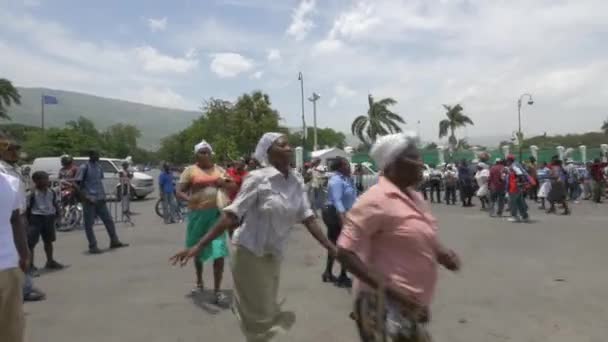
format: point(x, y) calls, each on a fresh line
point(341, 193)
point(90, 176)
point(269, 205)
point(15, 171)
point(43, 203)
point(395, 234)
point(203, 191)
point(10, 200)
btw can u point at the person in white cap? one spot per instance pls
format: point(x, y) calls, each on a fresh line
point(390, 243)
point(204, 186)
point(271, 201)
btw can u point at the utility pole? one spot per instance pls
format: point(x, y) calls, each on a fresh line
point(304, 134)
point(314, 99)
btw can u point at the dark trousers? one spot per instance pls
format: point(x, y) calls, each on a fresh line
point(436, 189)
point(518, 205)
point(498, 203)
point(450, 194)
point(334, 228)
point(92, 211)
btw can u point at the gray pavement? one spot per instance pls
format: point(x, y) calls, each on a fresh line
point(545, 281)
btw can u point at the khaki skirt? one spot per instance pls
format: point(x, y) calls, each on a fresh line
point(256, 285)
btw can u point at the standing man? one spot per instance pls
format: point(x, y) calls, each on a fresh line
point(9, 156)
point(516, 185)
point(166, 186)
point(93, 196)
point(598, 180)
point(124, 176)
point(14, 258)
point(435, 182)
point(496, 183)
point(316, 179)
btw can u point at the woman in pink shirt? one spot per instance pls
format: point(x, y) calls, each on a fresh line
point(389, 240)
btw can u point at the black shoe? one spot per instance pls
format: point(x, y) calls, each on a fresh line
point(118, 244)
point(328, 278)
point(34, 295)
point(344, 282)
point(95, 250)
point(53, 265)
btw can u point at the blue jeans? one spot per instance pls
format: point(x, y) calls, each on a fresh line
point(90, 212)
point(518, 205)
point(497, 202)
point(170, 213)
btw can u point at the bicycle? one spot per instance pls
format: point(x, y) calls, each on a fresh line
point(182, 209)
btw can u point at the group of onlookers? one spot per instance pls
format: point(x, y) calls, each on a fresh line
point(510, 183)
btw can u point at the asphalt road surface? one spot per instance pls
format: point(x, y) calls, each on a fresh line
point(544, 281)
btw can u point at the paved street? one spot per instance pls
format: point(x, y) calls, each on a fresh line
point(545, 281)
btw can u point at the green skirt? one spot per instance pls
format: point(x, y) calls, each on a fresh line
point(199, 223)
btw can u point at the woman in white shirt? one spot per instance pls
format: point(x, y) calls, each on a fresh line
point(482, 176)
point(271, 201)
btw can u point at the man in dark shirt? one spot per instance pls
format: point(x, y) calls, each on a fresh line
point(497, 185)
point(598, 179)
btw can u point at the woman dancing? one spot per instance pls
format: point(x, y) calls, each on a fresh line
point(201, 185)
point(390, 241)
point(271, 201)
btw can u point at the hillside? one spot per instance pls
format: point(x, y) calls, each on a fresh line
point(154, 122)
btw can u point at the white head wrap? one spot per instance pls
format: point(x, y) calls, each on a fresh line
point(387, 148)
point(261, 150)
point(201, 145)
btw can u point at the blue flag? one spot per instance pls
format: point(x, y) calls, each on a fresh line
point(47, 99)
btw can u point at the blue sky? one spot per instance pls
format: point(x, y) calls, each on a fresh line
point(423, 53)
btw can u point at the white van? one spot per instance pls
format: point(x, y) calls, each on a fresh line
point(141, 184)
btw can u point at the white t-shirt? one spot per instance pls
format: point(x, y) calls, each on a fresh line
point(10, 200)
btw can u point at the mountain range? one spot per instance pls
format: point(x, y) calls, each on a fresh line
point(153, 122)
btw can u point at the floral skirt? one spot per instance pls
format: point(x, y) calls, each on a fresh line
point(379, 320)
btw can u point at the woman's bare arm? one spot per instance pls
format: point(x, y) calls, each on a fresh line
point(314, 230)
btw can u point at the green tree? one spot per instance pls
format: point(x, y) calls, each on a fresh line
point(232, 129)
point(605, 127)
point(9, 95)
point(456, 119)
point(120, 140)
point(378, 121)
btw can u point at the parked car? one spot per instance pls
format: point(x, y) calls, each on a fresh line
point(141, 184)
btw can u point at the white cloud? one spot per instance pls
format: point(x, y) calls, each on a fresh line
point(274, 55)
point(228, 64)
point(301, 24)
point(161, 96)
point(333, 102)
point(257, 75)
point(342, 90)
point(156, 25)
point(359, 21)
point(154, 61)
point(327, 47)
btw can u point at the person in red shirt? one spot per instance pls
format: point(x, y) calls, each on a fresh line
point(238, 173)
point(497, 185)
point(598, 179)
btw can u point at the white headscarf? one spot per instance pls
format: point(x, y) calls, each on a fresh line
point(387, 148)
point(261, 150)
point(201, 145)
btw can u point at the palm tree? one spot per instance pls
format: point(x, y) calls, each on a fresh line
point(456, 119)
point(378, 121)
point(605, 127)
point(8, 96)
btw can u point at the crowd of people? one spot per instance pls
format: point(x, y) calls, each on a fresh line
point(508, 183)
point(248, 209)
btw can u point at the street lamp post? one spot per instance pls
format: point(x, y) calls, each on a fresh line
point(301, 79)
point(519, 134)
point(314, 99)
